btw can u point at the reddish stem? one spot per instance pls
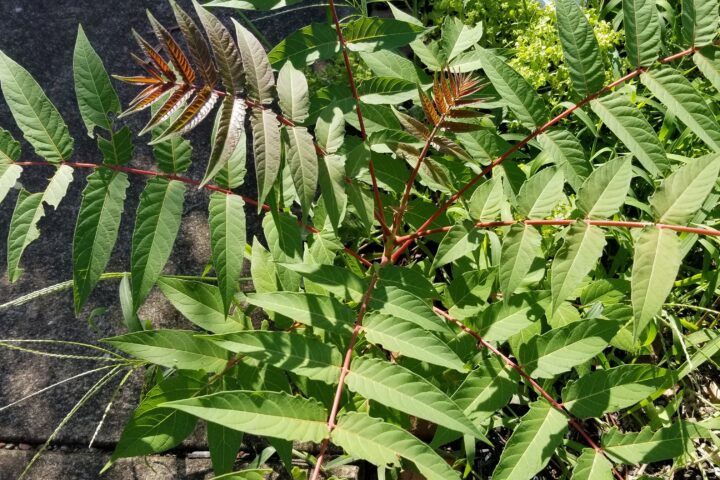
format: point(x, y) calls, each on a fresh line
point(363, 133)
point(558, 406)
point(189, 181)
point(399, 251)
point(563, 221)
point(343, 374)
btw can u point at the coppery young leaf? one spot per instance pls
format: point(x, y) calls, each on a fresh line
point(145, 93)
point(445, 145)
point(138, 80)
point(464, 114)
point(413, 126)
point(224, 49)
point(176, 100)
point(231, 118)
point(149, 99)
point(442, 105)
point(428, 107)
point(148, 67)
point(199, 108)
point(199, 49)
point(177, 56)
point(155, 57)
point(458, 127)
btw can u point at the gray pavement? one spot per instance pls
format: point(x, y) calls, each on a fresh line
point(40, 35)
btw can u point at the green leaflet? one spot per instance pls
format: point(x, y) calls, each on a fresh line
point(520, 247)
point(341, 282)
point(119, 149)
point(200, 303)
point(400, 388)
point(156, 226)
point(258, 72)
point(272, 414)
point(387, 90)
point(582, 53)
point(408, 279)
point(486, 200)
point(647, 446)
point(383, 444)
point(402, 303)
point(282, 233)
point(330, 129)
point(604, 191)
point(642, 31)
point(174, 154)
point(484, 391)
point(368, 34)
point(386, 63)
point(9, 148)
point(224, 444)
point(303, 47)
point(484, 146)
point(303, 163)
point(226, 215)
point(520, 97)
point(307, 308)
point(682, 194)
point(461, 239)
point(29, 209)
point(565, 150)
point(95, 94)
point(708, 63)
point(9, 175)
point(332, 185)
point(224, 49)
point(409, 340)
point(540, 431)
point(592, 465)
point(502, 320)
point(630, 126)
point(699, 21)
point(297, 353)
point(263, 270)
point(458, 37)
point(266, 149)
point(558, 350)
point(37, 117)
point(681, 99)
point(173, 349)
point(154, 430)
point(229, 140)
point(232, 175)
point(96, 230)
point(541, 193)
point(610, 390)
point(23, 229)
point(580, 252)
point(293, 93)
point(656, 262)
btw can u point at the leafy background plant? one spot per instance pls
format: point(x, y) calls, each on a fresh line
point(495, 271)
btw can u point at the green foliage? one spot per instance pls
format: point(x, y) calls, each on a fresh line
point(449, 249)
